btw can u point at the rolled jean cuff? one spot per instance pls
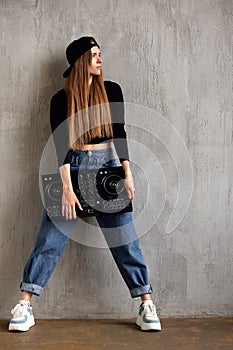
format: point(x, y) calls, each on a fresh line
point(136, 292)
point(32, 288)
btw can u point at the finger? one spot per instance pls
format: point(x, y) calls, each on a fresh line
point(79, 205)
point(128, 193)
point(133, 190)
point(66, 212)
point(70, 213)
point(132, 195)
point(74, 212)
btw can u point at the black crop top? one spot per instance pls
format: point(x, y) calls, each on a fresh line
point(58, 116)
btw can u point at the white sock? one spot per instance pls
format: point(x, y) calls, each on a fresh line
point(25, 302)
point(148, 302)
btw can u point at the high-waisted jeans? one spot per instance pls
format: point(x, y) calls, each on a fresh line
point(118, 230)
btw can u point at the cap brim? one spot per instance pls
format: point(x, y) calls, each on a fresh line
point(67, 72)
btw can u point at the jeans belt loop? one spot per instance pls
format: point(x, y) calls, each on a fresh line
point(73, 159)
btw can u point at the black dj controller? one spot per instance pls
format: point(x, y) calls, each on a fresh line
point(99, 191)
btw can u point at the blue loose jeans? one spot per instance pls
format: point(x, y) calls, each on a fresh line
point(118, 230)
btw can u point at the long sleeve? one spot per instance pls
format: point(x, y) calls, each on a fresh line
point(116, 102)
point(59, 127)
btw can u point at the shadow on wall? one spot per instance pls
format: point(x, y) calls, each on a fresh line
point(72, 274)
point(28, 134)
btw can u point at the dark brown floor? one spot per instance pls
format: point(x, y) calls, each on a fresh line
point(188, 334)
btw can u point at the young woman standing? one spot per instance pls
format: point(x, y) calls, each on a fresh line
point(93, 120)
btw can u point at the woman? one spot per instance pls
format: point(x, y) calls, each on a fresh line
point(88, 135)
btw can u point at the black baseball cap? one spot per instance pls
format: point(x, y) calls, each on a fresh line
point(76, 49)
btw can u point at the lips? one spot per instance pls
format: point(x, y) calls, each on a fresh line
point(98, 67)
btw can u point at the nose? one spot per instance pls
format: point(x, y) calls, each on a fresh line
point(100, 59)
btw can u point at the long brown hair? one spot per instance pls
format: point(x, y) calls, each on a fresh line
point(86, 123)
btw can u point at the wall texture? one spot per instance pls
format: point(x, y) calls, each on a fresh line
point(171, 56)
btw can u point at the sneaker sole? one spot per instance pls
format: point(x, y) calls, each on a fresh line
point(22, 327)
point(148, 326)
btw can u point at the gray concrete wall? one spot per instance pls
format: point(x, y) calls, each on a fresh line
point(173, 57)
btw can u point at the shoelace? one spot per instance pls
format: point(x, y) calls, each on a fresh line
point(150, 310)
point(18, 310)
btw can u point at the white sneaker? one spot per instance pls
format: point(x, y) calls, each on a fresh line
point(147, 318)
point(23, 318)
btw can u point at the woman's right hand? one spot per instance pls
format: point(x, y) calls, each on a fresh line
point(69, 200)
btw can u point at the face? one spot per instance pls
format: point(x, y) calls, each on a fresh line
point(96, 61)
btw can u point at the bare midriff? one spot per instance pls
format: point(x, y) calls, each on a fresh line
point(88, 147)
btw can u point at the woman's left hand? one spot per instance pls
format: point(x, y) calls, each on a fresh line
point(129, 186)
